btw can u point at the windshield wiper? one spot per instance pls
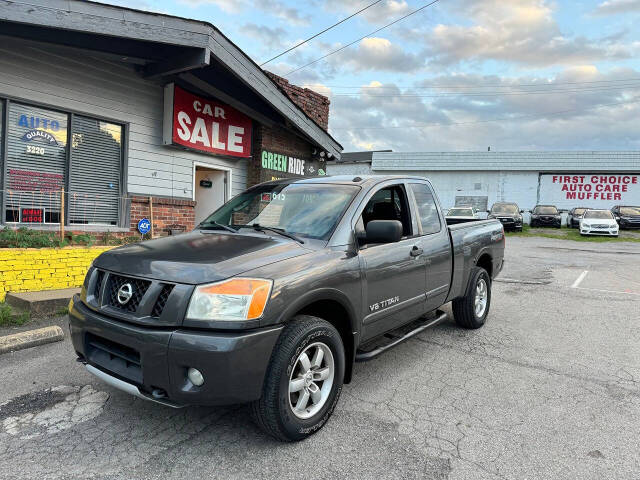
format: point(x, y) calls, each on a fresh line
point(281, 231)
point(204, 226)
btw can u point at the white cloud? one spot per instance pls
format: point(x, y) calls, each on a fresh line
point(271, 38)
point(378, 54)
point(602, 115)
point(229, 6)
point(382, 12)
point(274, 8)
point(611, 7)
point(284, 12)
point(518, 31)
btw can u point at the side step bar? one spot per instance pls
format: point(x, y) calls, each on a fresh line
point(366, 356)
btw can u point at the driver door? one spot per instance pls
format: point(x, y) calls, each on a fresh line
point(394, 274)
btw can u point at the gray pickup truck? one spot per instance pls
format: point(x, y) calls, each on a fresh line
point(272, 299)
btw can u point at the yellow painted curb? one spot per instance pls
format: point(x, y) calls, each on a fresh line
point(30, 338)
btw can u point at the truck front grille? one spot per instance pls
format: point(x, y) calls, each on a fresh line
point(118, 359)
point(99, 279)
point(162, 300)
point(138, 289)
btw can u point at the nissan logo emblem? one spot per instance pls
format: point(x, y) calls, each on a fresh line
point(125, 292)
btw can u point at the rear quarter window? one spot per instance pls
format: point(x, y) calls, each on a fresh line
point(427, 208)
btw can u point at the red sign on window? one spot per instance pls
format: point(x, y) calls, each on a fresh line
point(32, 215)
point(207, 125)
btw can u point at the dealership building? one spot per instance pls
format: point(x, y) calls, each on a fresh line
point(108, 114)
point(566, 179)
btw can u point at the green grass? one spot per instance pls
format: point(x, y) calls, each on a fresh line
point(9, 319)
point(573, 234)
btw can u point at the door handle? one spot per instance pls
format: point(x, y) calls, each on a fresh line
point(416, 251)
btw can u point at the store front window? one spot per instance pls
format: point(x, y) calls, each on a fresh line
point(48, 151)
point(35, 165)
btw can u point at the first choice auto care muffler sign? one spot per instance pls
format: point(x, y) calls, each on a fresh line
point(205, 125)
point(594, 190)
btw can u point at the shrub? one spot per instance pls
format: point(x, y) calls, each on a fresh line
point(26, 238)
point(8, 319)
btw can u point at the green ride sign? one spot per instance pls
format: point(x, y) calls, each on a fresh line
point(276, 166)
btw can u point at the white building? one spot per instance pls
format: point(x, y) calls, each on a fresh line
point(565, 179)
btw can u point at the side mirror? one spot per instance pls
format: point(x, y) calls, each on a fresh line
point(488, 211)
point(521, 211)
point(384, 231)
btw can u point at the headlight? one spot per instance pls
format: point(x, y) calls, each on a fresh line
point(235, 299)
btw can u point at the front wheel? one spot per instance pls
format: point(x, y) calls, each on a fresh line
point(471, 310)
point(303, 381)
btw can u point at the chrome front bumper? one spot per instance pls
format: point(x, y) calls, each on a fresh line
point(126, 387)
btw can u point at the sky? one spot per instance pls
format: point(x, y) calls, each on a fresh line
point(456, 75)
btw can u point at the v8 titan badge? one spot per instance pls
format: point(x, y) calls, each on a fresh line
point(144, 226)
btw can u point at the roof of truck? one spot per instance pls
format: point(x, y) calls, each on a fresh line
point(361, 180)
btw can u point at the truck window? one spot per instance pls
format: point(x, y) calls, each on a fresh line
point(389, 203)
point(427, 209)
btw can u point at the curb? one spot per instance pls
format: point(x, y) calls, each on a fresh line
point(30, 338)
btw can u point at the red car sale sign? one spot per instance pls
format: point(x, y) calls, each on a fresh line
point(205, 125)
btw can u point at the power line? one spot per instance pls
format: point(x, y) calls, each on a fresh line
point(490, 94)
point(537, 115)
point(362, 38)
point(472, 86)
point(323, 31)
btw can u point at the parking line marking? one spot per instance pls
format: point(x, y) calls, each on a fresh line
point(607, 291)
point(579, 280)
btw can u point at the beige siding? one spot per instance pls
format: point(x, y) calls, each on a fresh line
point(69, 80)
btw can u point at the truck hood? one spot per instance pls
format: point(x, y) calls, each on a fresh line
point(199, 257)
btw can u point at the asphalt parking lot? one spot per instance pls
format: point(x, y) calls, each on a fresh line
point(549, 388)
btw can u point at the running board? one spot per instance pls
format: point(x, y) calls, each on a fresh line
point(366, 356)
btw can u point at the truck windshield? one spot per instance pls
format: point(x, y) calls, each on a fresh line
point(504, 209)
point(301, 209)
point(599, 214)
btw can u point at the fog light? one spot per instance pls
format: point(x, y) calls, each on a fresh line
point(195, 376)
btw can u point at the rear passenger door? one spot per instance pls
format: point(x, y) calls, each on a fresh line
point(394, 278)
point(433, 238)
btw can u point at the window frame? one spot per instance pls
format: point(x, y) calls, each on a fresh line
point(416, 208)
point(123, 207)
point(357, 216)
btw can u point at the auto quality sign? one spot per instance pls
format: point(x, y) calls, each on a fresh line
point(598, 190)
point(205, 125)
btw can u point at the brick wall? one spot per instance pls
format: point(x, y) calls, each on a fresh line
point(275, 139)
point(34, 269)
point(168, 213)
point(316, 106)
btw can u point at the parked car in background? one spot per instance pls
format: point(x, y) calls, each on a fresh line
point(627, 216)
point(509, 215)
point(462, 215)
point(598, 222)
point(546, 216)
point(574, 216)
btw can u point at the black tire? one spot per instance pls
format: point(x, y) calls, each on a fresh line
point(273, 412)
point(464, 311)
point(518, 229)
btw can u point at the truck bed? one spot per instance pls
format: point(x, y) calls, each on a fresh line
point(469, 242)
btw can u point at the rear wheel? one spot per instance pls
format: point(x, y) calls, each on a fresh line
point(303, 380)
point(471, 310)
